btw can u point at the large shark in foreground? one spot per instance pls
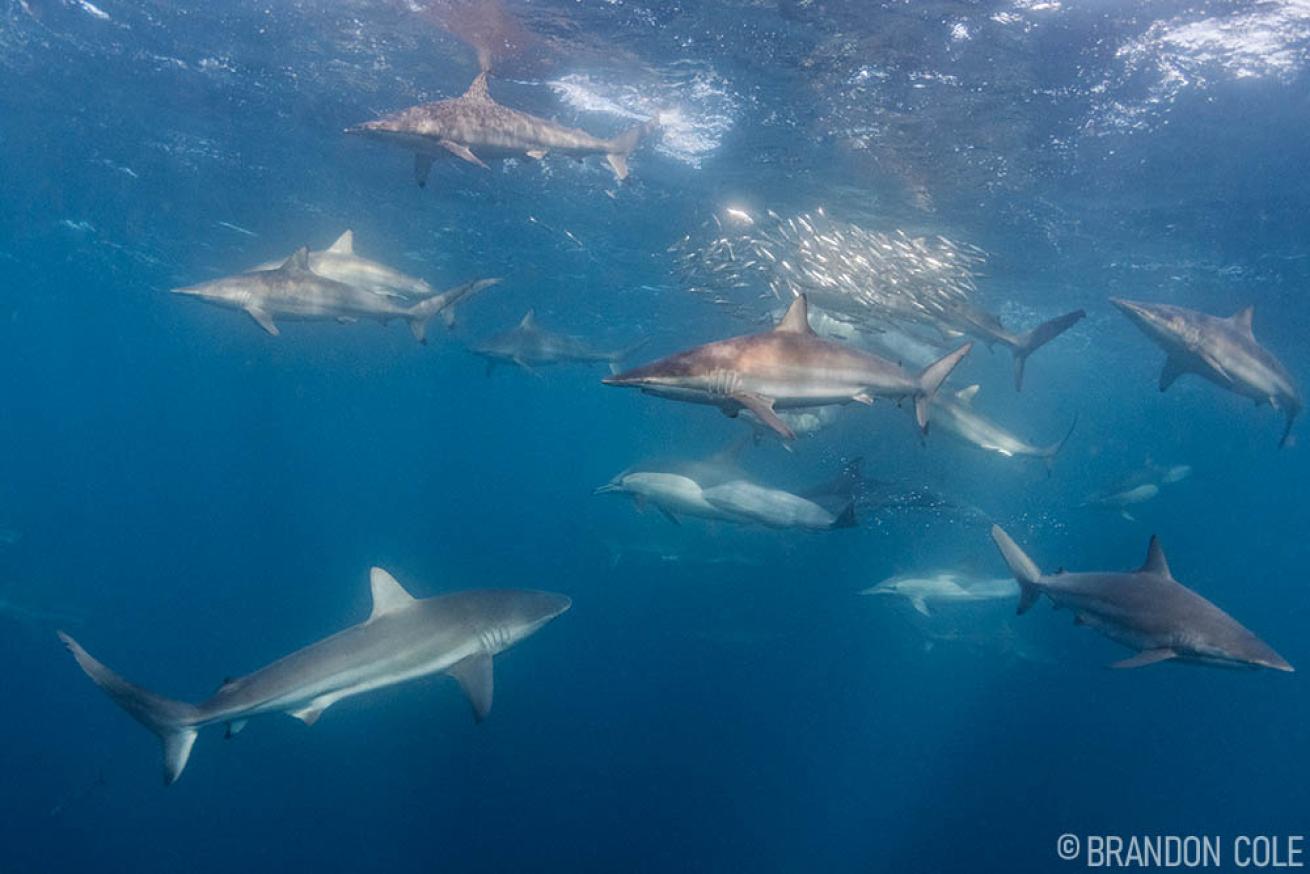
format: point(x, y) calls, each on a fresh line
point(293, 291)
point(529, 345)
point(404, 638)
point(1146, 610)
point(1223, 351)
point(789, 366)
point(955, 413)
point(339, 262)
point(473, 127)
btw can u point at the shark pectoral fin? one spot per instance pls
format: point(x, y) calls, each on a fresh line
point(672, 518)
point(762, 407)
point(863, 398)
point(263, 319)
point(474, 676)
point(422, 168)
point(234, 728)
point(921, 605)
point(460, 150)
point(619, 164)
point(536, 154)
point(1173, 368)
point(1146, 657)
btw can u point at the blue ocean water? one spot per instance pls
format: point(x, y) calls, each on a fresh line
point(192, 498)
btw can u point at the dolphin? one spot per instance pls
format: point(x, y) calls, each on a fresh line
point(955, 413)
point(1122, 499)
point(474, 125)
point(789, 366)
point(1146, 610)
point(943, 586)
point(404, 638)
point(529, 345)
point(339, 262)
point(672, 494)
point(775, 508)
point(293, 291)
point(988, 328)
point(1221, 350)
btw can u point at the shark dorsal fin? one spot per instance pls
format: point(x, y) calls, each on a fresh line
point(345, 244)
point(478, 90)
point(298, 262)
point(1155, 561)
point(966, 395)
point(1243, 319)
point(529, 320)
point(797, 318)
point(388, 595)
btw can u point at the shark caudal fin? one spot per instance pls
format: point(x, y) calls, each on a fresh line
point(1049, 453)
point(172, 721)
point(1027, 344)
point(1023, 568)
point(621, 146)
point(422, 312)
point(931, 379)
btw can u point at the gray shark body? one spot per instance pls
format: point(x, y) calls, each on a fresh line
point(473, 127)
point(943, 587)
point(340, 263)
point(528, 345)
point(1146, 610)
point(984, 326)
point(1223, 351)
point(403, 639)
point(956, 415)
point(293, 291)
point(787, 367)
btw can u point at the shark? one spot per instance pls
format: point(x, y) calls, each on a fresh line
point(789, 366)
point(473, 126)
point(529, 345)
point(403, 638)
point(340, 263)
point(1221, 350)
point(985, 326)
point(1146, 610)
point(946, 587)
point(294, 291)
point(956, 415)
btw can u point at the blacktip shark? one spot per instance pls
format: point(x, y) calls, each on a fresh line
point(955, 413)
point(1222, 350)
point(404, 638)
point(945, 587)
point(789, 366)
point(293, 291)
point(339, 262)
point(1146, 610)
point(473, 126)
point(528, 345)
point(988, 328)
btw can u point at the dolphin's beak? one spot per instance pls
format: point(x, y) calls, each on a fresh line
point(877, 590)
point(608, 488)
point(186, 289)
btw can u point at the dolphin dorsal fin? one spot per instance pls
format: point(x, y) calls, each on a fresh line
point(529, 320)
point(797, 318)
point(478, 90)
point(1155, 561)
point(388, 595)
point(345, 244)
point(1243, 319)
point(965, 395)
point(299, 260)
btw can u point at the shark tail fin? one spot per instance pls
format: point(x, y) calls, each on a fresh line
point(422, 312)
point(622, 145)
point(1023, 568)
point(1038, 337)
point(172, 721)
point(1049, 453)
point(931, 379)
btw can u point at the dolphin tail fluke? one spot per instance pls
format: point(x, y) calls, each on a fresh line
point(172, 721)
point(845, 485)
point(846, 519)
point(931, 379)
point(422, 312)
point(1049, 453)
point(1023, 568)
point(1038, 337)
point(622, 145)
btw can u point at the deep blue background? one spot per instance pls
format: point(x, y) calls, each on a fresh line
point(207, 498)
